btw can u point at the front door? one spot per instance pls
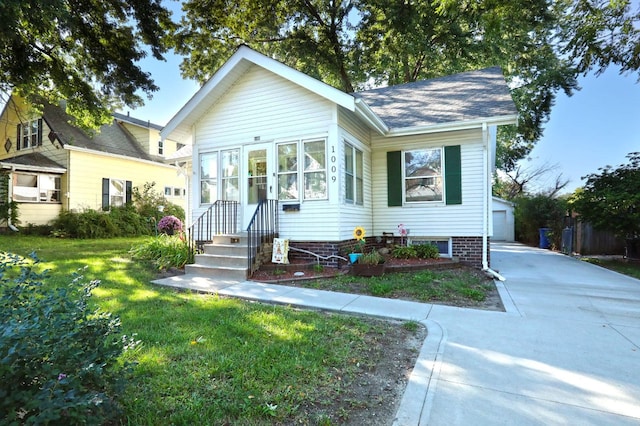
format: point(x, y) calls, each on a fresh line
point(260, 178)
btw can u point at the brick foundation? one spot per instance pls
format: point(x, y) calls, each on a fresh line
point(469, 250)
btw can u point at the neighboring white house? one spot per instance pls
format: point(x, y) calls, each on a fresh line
point(419, 154)
point(503, 220)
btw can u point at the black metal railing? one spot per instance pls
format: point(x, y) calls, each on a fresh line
point(262, 229)
point(220, 218)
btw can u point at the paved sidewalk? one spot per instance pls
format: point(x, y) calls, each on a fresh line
point(567, 350)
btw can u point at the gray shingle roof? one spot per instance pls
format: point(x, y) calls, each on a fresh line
point(461, 97)
point(111, 138)
point(32, 161)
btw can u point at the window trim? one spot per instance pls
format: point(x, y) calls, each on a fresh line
point(440, 176)
point(308, 172)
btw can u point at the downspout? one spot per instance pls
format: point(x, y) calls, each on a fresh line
point(10, 197)
point(486, 194)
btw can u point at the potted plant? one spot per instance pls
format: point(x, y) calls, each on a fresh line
point(169, 225)
point(358, 247)
point(369, 264)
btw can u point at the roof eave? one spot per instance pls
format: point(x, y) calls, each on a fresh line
point(455, 125)
point(370, 117)
point(31, 168)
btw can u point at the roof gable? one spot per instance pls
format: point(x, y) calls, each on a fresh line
point(179, 127)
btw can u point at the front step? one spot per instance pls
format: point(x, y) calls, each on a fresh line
point(224, 258)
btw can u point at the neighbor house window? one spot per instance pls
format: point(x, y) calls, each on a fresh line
point(160, 147)
point(29, 134)
point(36, 188)
point(115, 192)
point(230, 175)
point(423, 175)
point(288, 171)
point(208, 177)
point(315, 172)
point(354, 183)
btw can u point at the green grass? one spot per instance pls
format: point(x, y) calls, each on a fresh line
point(210, 360)
point(451, 286)
point(626, 267)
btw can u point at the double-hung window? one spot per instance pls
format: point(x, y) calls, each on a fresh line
point(115, 192)
point(423, 175)
point(230, 175)
point(315, 170)
point(208, 177)
point(29, 134)
point(354, 182)
point(288, 171)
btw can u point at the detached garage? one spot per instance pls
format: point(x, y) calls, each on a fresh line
point(503, 221)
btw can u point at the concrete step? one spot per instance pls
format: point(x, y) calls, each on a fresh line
point(223, 260)
point(240, 239)
point(226, 249)
point(225, 273)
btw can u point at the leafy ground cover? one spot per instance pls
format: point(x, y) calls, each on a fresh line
point(209, 360)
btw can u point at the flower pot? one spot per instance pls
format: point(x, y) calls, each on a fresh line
point(366, 270)
point(353, 257)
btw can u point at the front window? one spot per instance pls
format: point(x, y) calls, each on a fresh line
point(208, 178)
point(36, 188)
point(354, 182)
point(315, 173)
point(423, 175)
point(288, 171)
point(117, 191)
point(230, 174)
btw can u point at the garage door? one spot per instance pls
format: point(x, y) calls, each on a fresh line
point(499, 225)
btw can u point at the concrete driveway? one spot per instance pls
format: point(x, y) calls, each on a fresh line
point(567, 352)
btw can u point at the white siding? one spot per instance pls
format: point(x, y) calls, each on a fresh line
point(432, 219)
point(354, 126)
point(265, 106)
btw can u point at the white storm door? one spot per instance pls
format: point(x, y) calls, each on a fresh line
point(259, 178)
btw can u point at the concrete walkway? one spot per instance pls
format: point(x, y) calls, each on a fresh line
point(567, 351)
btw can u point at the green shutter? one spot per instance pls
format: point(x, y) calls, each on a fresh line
point(394, 178)
point(105, 194)
point(40, 132)
point(19, 138)
point(453, 174)
point(129, 191)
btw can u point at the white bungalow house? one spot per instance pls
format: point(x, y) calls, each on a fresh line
point(419, 154)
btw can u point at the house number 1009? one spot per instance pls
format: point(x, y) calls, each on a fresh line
point(333, 160)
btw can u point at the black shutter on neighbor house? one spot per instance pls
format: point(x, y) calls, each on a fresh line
point(105, 194)
point(19, 138)
point(394, 178)
point(452, 175)
point(129, 190)
point(40, 132)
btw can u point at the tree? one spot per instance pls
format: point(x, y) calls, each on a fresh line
point(523, 180)
point(603, 32)
point(351, 44)
point(610, 199)
point(82, 51)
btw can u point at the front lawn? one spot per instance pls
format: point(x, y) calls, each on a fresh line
point(208, 360)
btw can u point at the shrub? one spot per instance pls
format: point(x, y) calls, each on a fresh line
point(118, 222)
point(164, 251)
point(427, 251)
point(404, 252)
point(371, 258)
point(169, 224)
point(148, 200)
point(58, 358)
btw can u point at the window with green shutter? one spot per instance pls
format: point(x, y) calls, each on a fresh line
point(424, 175)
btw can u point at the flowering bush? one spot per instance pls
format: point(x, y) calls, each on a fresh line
point(58, 356)
point(169, 224)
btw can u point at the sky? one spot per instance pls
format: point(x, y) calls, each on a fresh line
point(597, 126)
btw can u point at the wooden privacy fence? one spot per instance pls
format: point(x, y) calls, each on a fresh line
point(581, 238)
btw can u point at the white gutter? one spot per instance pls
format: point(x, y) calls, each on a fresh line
point(371, 117)
point(454, 125)
point(485, 204)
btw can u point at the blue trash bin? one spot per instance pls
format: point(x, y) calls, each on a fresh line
point(544, 238)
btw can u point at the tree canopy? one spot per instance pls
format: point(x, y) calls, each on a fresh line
point(82, 51)
point(541, 45)
point(610, 199)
